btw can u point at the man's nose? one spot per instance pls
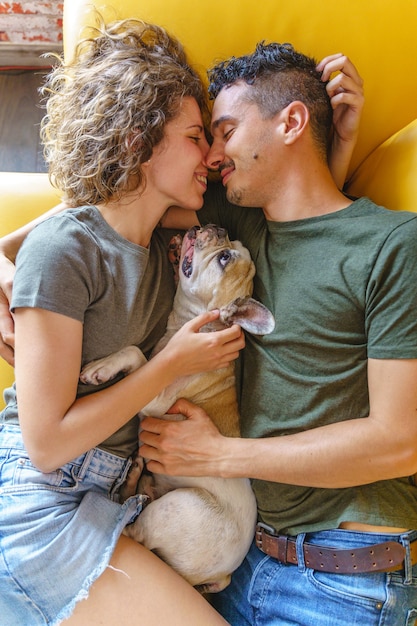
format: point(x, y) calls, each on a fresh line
point(215, 156)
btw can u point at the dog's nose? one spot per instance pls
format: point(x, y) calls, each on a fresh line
point(214, 230)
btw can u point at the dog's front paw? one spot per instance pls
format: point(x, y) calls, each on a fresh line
point(102, 370)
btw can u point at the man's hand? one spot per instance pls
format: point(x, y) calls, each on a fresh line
point(7, 270)
point(190, 447)
point(345, 90)
point(346, 95)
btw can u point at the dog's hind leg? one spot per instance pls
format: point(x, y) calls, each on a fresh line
point(197, 553)
point(130, 486)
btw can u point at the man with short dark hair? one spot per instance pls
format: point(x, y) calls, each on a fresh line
point(329, 399)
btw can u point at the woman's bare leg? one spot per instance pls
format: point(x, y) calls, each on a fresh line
point(138, 588)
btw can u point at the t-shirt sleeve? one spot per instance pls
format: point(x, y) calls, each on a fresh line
point(53, 271)
point(391, 298)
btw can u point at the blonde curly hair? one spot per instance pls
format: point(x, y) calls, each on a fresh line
point(107, 109)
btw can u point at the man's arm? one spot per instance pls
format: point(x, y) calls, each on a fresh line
point(10, 244)
point(345, 90)
point(9, 247)
point(355, 452)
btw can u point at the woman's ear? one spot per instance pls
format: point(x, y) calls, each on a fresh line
point(294, 119)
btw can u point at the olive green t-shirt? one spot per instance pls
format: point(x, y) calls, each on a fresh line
point(342, 288)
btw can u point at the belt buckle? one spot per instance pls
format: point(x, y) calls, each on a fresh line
point(260, 526)
point(260, 532)
point(272, 543)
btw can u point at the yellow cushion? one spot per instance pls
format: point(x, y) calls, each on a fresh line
point(24, 196)
point(378, 35)
point(6, 378)
point(388, 175)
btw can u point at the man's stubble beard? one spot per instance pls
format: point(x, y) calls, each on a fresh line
point(234, 196)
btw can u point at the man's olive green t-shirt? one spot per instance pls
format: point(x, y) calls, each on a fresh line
point(342, 288)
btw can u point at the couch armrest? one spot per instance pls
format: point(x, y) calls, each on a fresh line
point(388, 174)
point(24, 196)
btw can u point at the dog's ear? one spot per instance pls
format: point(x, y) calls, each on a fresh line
point(249, 314)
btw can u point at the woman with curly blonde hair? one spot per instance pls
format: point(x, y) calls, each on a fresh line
point(124, 139)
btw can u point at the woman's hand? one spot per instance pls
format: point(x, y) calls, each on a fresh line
point(346, 95)
point(191, 447)
point(191, 351)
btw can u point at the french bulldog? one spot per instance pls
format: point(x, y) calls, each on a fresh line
point(202, 527)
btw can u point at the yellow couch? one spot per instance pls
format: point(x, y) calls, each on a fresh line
point(378, 35)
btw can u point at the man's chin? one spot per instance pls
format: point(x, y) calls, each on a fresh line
point(234, 196)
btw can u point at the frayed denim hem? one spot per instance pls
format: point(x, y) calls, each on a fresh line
point(128, 513)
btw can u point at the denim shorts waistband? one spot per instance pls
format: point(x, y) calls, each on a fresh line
point(96, 460)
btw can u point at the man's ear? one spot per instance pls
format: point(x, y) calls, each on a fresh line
point(294, 119)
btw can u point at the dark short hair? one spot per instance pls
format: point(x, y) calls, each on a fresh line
point(277, 75)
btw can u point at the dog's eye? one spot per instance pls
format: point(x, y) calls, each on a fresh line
point(224, 257)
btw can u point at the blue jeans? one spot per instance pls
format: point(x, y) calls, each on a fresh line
point(264, 592)
point(58, 530)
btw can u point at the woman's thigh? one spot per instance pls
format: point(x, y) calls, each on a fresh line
point(137, 587)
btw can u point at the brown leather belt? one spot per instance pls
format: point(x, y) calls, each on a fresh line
point(382, 557)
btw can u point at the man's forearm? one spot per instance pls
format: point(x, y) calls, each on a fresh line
point(339, 159)
point(339, 455)
point(10, 244)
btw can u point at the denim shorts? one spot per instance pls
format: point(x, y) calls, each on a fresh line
point(266, 592)
point(58, 530)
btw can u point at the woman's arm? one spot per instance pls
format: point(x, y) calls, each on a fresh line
point(58, 427)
